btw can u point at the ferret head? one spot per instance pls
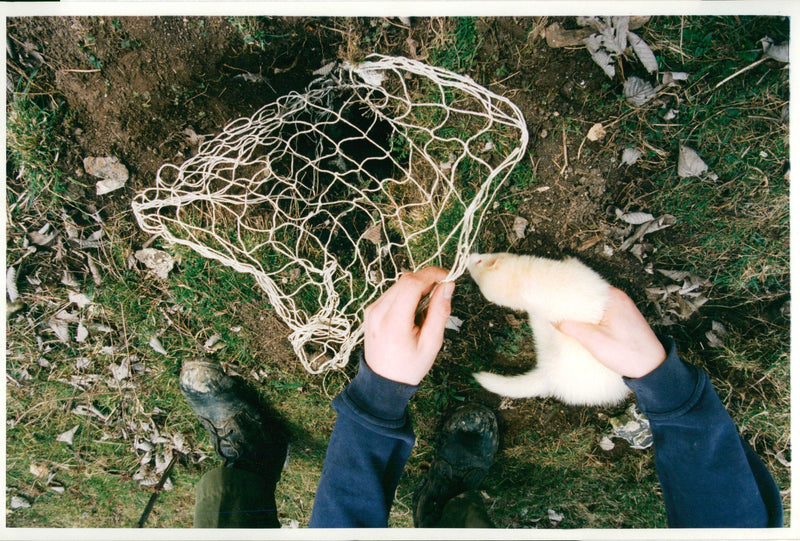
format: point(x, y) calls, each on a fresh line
point(496, 276)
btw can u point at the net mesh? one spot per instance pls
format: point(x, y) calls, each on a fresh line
point(327, 196)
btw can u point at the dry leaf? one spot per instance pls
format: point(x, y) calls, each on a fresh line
point(631, 155)
point(60, 328)
point(638, 91)
point(634, 218)
point(18, 502)
point(155, 343)
point(39, 470)
point(213, 344)
point(643, 52)
point(716, 335)
point(122, 370)
point(41, 237)
point(606, 444)
point(594, 44)
point(11, 284)
point(108, 168)
point(81, 334)
point(67, 436)
point(373, 234)
point(158, 261)
point(554, 516)
point(519, 227)
point(776, 52)
point(596, 132)
point(453, 323)
point(80, 299)
point(69, 279)
point(670, 78)
point(690, 164)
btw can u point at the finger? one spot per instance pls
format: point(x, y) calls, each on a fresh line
point(412, 287)
point(585, 333)
point(432, 332)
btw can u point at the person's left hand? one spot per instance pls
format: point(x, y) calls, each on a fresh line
point(394, 346)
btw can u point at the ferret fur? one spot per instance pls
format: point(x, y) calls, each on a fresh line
point(550, 291)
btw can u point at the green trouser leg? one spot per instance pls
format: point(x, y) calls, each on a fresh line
point(231, 498)
point(466, 510)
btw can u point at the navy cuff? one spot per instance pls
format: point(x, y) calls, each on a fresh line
point(378, 396)
point(668, 388)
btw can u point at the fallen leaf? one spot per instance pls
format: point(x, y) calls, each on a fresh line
point(631, 155)
point(39, 470)
point(596, 132)
point(155, 343)
point(554, 516)
point(60, 328)
point(81, 334)
point(122, 370)
point(634, 218)
point(69, 279)
point(89, 411)
point(638, 91)
point(373, 234)
point(594, 44)
point(671, 78)
point(453, 323)
point(158, 261)
point(324, 70)
point(716, 335)
point(18, 502)
point(11, 284)
point(776, 52)
point(690, 164)
point(519, 228)
point(82, 363)
point(67, 436)
point(643, 52)
point(80, 299)
point(41, 237)
point(606, 444)
point(213, 344)
point(108, 168)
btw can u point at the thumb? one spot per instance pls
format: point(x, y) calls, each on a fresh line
point(432, 332)
point(584, 333)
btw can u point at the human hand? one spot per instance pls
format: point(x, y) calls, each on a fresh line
point(623, 340)
point(394, 346)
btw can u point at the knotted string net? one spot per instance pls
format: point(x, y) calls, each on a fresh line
point(326, 196)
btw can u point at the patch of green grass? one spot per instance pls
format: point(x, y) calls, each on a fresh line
point(33, 131)
point(738, 221)
point(252, 32)
point(460, 48)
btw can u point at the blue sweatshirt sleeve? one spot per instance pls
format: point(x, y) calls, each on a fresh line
point(368, 450)
point(709, 475)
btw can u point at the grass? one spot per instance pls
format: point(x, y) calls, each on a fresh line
point(732, 230)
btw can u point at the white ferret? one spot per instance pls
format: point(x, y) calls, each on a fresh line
point(550, 291)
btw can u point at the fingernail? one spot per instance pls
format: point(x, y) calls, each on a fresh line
point(448, 289)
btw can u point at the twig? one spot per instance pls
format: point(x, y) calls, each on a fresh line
point(564, 143)
point(95, 70)
point(154, 496)
point(744, 69)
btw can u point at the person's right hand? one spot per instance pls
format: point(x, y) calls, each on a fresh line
point(395, 346)
point(623, 340)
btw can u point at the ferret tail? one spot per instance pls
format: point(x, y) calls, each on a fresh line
point(525, 385)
